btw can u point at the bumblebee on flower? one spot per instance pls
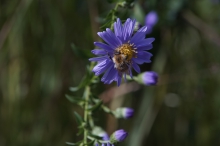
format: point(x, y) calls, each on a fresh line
point(123, 51)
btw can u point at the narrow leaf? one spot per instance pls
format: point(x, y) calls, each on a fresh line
point(69, 143)
point(79, 119)
point(74, 99)
point(96, 107)
point(73, 89)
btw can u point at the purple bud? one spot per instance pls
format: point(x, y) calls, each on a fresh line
point(124, 112)
point(128, 113)
point(150, 20)
point(150, 78)
point(118, 136)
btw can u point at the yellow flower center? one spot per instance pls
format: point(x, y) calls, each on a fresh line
point(127, 50)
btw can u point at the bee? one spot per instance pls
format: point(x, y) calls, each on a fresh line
point(121, 62)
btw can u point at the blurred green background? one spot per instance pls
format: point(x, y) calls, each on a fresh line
point(38, 65)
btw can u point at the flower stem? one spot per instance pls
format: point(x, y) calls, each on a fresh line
point(113, 15)
point(86, 96)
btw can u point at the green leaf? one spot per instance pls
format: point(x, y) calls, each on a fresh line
point(79, 119)
point(74, 99)
point(91, 143)
point(73, 89)
point(81, 130)
point(96, 137)
point(82, 53)
point(108, 20)
point(96, 107)
point(70, 143)
point(107, 110)
point(87, 79)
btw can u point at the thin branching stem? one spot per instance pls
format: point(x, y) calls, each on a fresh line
point(86, 96)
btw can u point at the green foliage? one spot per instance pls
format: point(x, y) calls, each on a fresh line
point(86, 80)
point(79, 119)
point(38, 65)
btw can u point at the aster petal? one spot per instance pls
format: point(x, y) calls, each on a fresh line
point(142, 57)
point(111, 76)
point(139, 35)
point(109, 37)
point(99, 52)
point(101, 58)
point(118, 28)
point(143, 48)
point(108, 74)
point(104, 46)
point(136, 67)
point(105, 75)
point(128, 29)
point(144, 42)
point(112, 35)
point(100, 64)
point(102, 67)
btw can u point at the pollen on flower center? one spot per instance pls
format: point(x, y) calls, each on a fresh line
point(127, 50)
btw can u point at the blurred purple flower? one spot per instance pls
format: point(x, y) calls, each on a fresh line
point(150, 20)
point(150, 78)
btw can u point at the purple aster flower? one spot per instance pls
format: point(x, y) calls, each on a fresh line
point(150, 78)
point(150, 20)
point(118, 136)
point(121, 52)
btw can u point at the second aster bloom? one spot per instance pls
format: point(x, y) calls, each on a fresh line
point(122, 51)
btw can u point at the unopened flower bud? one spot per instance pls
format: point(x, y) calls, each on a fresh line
point(118, 136)
point(150, 20)
point(124, 112)
point(150, 78)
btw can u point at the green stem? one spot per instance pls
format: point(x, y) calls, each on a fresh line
point(86, 96)
point(113, 15)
